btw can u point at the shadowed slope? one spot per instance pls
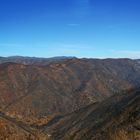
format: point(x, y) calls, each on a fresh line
point(117, 118)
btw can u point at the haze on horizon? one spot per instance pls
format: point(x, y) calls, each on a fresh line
point(81, 28)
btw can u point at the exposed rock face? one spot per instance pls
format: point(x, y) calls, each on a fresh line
point(62, 87)
point(117, 118)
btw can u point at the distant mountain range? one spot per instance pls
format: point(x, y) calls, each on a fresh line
point(32, 60)
point(138, 59)
point(68, 98)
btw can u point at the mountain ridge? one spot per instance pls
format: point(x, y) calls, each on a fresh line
point(39, 95)
point(73, 83)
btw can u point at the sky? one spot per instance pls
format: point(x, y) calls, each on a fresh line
point(81, 28)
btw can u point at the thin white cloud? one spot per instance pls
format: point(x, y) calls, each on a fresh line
point(73, 24)
point(126, 53)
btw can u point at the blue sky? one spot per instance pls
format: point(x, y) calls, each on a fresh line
point(82, 28)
